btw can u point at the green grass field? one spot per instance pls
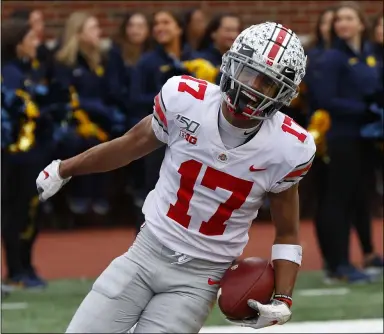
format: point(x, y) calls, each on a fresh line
point(50, 311)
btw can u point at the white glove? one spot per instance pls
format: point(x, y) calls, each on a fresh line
point(49, 181)
point(276, 312)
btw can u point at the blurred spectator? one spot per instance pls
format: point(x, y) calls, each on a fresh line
point(157, 66)
point(221, 32)
point(195, 23)
point(377, 39)
point(28, 128)
point(130, 42)
point(345, 84)
point(152, 71)
point(89, 76)
point(35, 18)
point(318, 122)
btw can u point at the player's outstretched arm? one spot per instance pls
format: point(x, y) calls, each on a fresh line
point(136, 143)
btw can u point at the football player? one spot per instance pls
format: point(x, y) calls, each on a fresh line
point(228, 147)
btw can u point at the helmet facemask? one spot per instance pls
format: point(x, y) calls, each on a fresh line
point(252, 89)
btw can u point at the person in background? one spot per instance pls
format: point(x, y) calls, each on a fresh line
point(377, 39)
point(195, 22)
point(378, 44)
point(317, 122)
point(319, 42)
point(129, 43)
point(152, 71)
point(219, 35)
point(26, 143)
point(35, 18)
point(82, 67)
point(346, 83)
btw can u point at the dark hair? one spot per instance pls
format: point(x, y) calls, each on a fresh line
point(374, 22)
point(120, 39)
point(13, 33)
point(187, 17)
point(356, 7)
point(213, 25)
point(317, 38)
point(22, 14)
point(178, 19)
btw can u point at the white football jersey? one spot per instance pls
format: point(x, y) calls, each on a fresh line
point(207, 196)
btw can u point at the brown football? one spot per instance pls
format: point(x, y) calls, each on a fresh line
point(250, 278)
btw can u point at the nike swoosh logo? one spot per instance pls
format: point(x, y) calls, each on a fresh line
point(46, 174)
point(248, 133)
point(212, 282)
point(253, 169)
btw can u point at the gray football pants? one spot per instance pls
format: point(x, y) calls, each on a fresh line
point(149, 286)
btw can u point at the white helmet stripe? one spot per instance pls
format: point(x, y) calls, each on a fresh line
point(276, 48)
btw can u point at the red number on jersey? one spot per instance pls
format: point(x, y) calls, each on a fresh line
point(197, 94)
point(287, 127)
point(212, 179)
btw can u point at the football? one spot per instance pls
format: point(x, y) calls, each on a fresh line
point(250, 278)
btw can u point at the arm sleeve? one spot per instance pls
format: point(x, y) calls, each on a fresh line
point(167, 103)
point(159, 118)
point(301, 168)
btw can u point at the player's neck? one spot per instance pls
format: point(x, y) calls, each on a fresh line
point(231, 135)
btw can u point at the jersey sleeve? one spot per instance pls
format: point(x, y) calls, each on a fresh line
point(302, 167)
point(159, 119)
point(166, 103)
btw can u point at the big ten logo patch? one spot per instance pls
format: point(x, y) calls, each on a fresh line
point(189, 128)
point(188, 137)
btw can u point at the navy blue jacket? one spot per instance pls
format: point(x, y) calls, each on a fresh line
point(98, 91)
point(123, 79)
point(341, 81)
point(28, 77)
point(378, 51)
point(314, 60)
point(152, 71)
point(213, 56)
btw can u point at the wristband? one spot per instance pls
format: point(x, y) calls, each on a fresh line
point(291, 253)
point(284, 298)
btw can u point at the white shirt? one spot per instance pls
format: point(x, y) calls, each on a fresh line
point(231, 135)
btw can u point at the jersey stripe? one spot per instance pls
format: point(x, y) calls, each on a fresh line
point(299, 171)
point(160, 123)
point(160, 110)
